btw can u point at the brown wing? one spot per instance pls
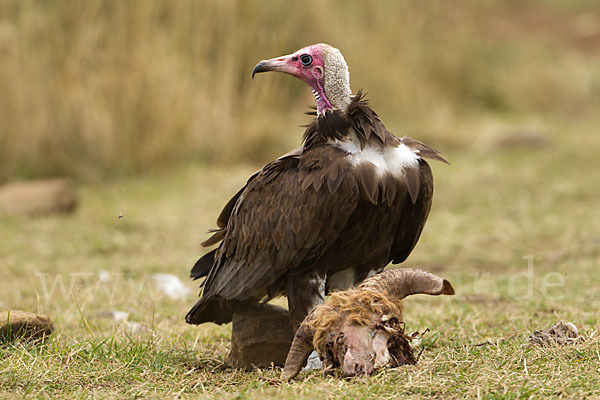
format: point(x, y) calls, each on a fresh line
point(223, 218)
point(288, 215)
point(414, 213)
point(416, 210)
point(204, 264)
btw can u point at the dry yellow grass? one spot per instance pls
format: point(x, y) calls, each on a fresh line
point(94, 89)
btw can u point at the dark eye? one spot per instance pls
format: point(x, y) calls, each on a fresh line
point(306, 59)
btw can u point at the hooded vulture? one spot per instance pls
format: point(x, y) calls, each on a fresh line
point(324, 216)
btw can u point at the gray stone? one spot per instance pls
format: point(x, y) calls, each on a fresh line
point(115, 315)
point(36, 198)
point(171, 286)
point(20, 324)
point(261, 336)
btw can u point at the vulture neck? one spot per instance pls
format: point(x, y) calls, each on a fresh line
point(335, 124)
point(333, 91)
point(331, 97)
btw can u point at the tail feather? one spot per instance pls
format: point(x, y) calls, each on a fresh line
point(203, 265)
point(213, 309)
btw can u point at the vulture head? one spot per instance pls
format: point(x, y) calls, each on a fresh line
point(322, 67)
point(361, 330)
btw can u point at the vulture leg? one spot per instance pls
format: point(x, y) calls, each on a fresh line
point(304, 292)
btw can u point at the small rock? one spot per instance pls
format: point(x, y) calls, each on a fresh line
point(563, 332)
point(104, 276)
point(313, 362)
point(171, 286)
point(136, 327)
point(36, 198)
point(261, 336)
point(121, 318)
point(17, 324)
point(116, 315)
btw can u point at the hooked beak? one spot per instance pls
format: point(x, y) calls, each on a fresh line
point(280, 64)
point(262, 66)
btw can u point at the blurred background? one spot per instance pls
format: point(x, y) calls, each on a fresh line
point(149, 108)
point(99, 89)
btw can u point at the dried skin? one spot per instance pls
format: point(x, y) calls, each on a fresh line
point(354, 306)
point(360, 350)
point(560, 333)
point(400, 350)
point(361, 329)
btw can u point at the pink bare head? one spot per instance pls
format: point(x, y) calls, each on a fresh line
point(320, 66)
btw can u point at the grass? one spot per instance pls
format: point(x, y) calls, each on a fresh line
point(500, 204)
point(150, 107)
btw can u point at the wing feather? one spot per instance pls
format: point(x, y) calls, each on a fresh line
point(278, 223)
point(414, 215)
